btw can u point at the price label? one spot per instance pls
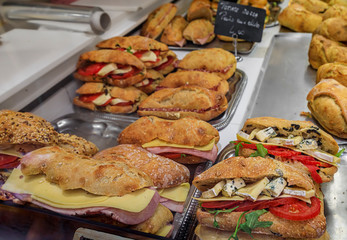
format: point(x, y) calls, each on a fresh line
point(244, 21)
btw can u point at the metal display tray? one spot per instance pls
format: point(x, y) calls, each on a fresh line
point(237, 84)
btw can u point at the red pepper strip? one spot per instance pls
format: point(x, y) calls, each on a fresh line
point(313, 170)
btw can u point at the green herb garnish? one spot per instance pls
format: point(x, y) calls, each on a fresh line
point(216, 212)
point(129, 50)
point(183, 155)
point(261, 151)
point(340, 152)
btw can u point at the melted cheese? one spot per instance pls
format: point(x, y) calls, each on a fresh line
point(53, 195)
point(161, 143)
point(177, 194)
point(11, 152)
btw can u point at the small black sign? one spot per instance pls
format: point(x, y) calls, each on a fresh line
point(244, 21)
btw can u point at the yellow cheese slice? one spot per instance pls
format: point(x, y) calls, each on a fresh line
point(178, 194)
point(11, 152)
point(161, 143)
point(53, 195)
point(253, 190)
point(164, 231)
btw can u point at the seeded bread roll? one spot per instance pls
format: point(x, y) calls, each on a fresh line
point(173, 33)
point(199, 9)
point(336, 70)
point(334, 29)
point(199, 31)
point(327, 102)
point(75, 144)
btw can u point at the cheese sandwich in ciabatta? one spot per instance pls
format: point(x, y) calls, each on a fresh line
point(260, 195)
point(115, 67)
point(170, 177)
point(299, 143)
point(186, 140)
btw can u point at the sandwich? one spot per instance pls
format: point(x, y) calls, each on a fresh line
point(187, 140)
point(170, 177)
point(199, 9)
point(314, 6)
point(260, 195)
point(213, 60)
point(299, 143)
point(151, 81)
point(167, 65)
point(72, 184)
point(199, 31)
point(335, 70)
point(101, 97)
point(334, 29)
point(75, 144)
point(195, 78)
point(148, 50)
point(335, 11)
point(175, 103)
point(158, 20)
point(115, 67)
point(173, 33)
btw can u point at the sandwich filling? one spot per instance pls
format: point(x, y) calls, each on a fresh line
point(165, 62)
point(175, 197)
point(103, 99)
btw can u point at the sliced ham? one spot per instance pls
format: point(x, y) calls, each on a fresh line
point(172, 205)
point(203, 40)
point(181, 43)
point(210, 155)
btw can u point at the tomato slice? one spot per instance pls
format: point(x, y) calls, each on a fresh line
point(10, 165)
point(91, 69)
point(220, 204)
point(4, 158)
point(171, 155)
point(169, 61)
point(124, 75)
point(89, 97)
point(313, 171)
point(124, 103)
point(297, 211)
point(286, 153)
point(106, 103)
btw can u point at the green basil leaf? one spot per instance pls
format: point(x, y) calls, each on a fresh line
point(216, 212)
point(262, 150)
point(340, 152)
point(234, 236)
point(129, 50)
point(183, 155)
point(237, 149)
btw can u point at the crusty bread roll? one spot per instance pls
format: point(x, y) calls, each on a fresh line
point(299, 19)
point(323, 50)
point(77, 145)
point(173, 33)
point(158, 20)
point(150, 83)
point(334, 29)
point(335, 11)
point(169, 63)
point(72, 171)
point(175, 103)
point(336, 70)
point(199, 9)
point(338, 2)
point(314, 6)
point(199, 31)
point(327, 102)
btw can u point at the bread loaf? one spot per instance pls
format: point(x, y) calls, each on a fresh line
point(336, 70)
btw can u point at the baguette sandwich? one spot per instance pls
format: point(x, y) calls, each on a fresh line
point(170, 177)
point(175, 103)
point(173, 33)
point(186, 140)
point(199, 31)
point(261, 196)
point(148, 50)
point(99, 96)
point(298, 143)
point(115, 67)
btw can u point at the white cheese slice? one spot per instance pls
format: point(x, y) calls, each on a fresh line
point(142, 83)
point(102, 99)
point(232, 186)
point(243, 134)
point(122, 70)
point(286, 141)
point(148, 56)
point(265, 134)
point(117, 100)
point(252, 191)
point(326, 156)
point(260, 198)
point(107, 69)
point(213, 192)
point(275, 187)
point(299, 192)
point(164, 60)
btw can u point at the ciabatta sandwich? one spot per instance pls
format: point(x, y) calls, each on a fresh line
point(186, 140)
point(199, 31)
point(150, 83)
point(299, 143)
point(167, 64)
point(173, 33)
point(199, 9)
point(259, 195)
point(115, 67)
point(170, 177)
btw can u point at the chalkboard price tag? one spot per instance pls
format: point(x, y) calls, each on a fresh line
point(244, 21)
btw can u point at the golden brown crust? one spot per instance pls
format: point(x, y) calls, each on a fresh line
point(169, 68)
point(334, 29)
point(327, 102)
point(174, 103)
point(164, 172)
point(72, 171)
point(323, 50)
point(25, 128)
point(314, 6)
point(156, 76)
point(297, 128)
point(336, 70)
point(184, 131)
point(251, 169)
point(199, 9)
point(228, 39)
point(158, 20)
point(173, 33)
point(75, 144)
point(195, 78)
point(297, 18)
point(199, 31)
point(335, 11)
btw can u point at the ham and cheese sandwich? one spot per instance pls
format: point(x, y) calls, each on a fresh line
point(199, 9)
point(267, 196)
point(195, 78)
point(299, 143)
point(213, 60)
point(199, 31)
point(72, 184)
point(115, 67)
point(173, 33)
point(170, 177)
point(101, 97)
point(186, 140)
point(148, 50)
point(185, 101)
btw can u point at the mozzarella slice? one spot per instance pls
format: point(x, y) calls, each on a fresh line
point(265, 134)
point(213, 192)
point(164, 60)
point(148, 56)
point(253, 190)
point(122, 71)
point(232, 186)
point(107, 69)
point(102, 99)
point(117, 100)
point(143, 83)
point(275, 187)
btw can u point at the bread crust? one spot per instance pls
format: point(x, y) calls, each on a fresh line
point(173, 33)
point(184, 131)
point(199, 31)
point(299, 19)
point(164, 172)
point(335, 11)
point(323, 50)
point(154, 75)
point(77, 145)
point(314, 6)
point(334, 29)
point(327, 102)
point(196, 78)
point(336, 70)
point(174, 103)
point(205, 60)
point(251, 169)
point(72, 171)
point(169, 68)
point(158, 20)
point(199, 9)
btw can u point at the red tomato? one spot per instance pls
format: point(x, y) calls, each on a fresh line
point(91, 69)
point(106, 103)
point(124, 103)
point(298, 211)
point(254, 146)
point(171, 155)
point(10, 165)
point(4, 159)
point(220, 204)
point(89, 97)
point(305, 159)
point(124, 75)
point(165, 64)
point(286, 153)
point(315, 176)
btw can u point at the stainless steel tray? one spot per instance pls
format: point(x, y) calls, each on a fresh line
point(237, 84)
